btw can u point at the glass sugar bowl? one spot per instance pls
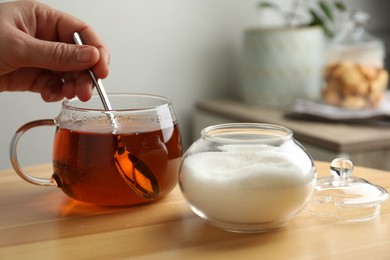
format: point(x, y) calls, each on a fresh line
point(245, 177)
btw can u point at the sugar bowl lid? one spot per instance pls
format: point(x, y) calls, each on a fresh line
point(344, 197)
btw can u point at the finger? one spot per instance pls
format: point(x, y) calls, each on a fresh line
point(30, 79)
point(58, 56)
point(65, 26)
point(49, 85)
point(84, 87)
point(69, 88)
point(52, 92)
point(90, 37)
point(78, 84)
point(101, 69)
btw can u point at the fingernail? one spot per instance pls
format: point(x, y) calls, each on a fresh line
point(47, 95)
point(52, 97)
point(84, 54)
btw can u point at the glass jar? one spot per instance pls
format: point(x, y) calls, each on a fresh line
point(247, 177)
point(355, 77)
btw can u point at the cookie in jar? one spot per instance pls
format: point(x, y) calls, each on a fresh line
point(354, 86)
point(355, 76)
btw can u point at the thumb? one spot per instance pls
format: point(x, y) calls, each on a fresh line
point(60, 56)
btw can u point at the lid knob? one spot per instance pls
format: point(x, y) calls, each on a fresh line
point(341, 168)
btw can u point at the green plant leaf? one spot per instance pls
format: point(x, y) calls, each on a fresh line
point(340, 6)
point(326, 9)
point(323, 13)
point(269, 5)
point(317, 21)
point(266, 4)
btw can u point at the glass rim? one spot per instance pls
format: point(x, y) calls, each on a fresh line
point(216, 132)
point(166, 103)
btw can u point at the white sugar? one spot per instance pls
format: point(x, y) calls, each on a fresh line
point(247, 183)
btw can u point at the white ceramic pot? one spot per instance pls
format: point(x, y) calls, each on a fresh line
point(281, 65)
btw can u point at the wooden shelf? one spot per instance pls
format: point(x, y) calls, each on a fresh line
point(365, 144)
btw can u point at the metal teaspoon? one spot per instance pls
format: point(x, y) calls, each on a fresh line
point(134, 171)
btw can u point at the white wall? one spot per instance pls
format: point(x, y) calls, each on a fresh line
point(185, 50)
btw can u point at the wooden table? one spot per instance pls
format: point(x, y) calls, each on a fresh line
point(42, 223)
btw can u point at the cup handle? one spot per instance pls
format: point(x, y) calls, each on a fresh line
point(14, 155)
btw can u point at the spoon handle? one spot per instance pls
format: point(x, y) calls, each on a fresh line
point(96, 81)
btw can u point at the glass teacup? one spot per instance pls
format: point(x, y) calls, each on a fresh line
point(135, 160)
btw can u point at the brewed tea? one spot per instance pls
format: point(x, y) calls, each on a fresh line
point(84, 163)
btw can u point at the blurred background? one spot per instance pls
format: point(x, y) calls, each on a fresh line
point(186, 50)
